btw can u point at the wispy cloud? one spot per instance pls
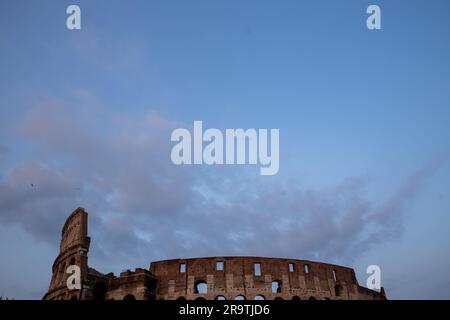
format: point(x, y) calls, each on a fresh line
point(143, 207)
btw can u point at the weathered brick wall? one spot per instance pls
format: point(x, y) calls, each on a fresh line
point(238, 278)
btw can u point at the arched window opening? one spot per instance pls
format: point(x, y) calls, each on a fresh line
point(239, 297)
point(129, 297)
point(338, 290)
point(291, 267)
point(201, 287)
point(296, 298)
point(62, 271)
point(306, 268)
point(312, 298)
point(181, 298)
point(222, 298)
point(151, 285)
point(278, 299)
point(276, 286)
point(99, 291)
point(220, 265)
point(259, 297)
point(257, 269)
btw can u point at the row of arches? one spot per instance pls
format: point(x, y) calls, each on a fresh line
point(61, 276)
point(128, 297)
point(242, 297)
point(201, 287)
point(72, 298)
point(257, 268)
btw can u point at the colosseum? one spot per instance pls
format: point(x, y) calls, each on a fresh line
point(213, 278)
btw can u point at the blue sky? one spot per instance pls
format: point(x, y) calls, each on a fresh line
point(363, 115)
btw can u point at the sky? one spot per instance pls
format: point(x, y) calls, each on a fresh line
point(364, 117)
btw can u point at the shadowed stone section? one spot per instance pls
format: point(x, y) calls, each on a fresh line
point(201, 278)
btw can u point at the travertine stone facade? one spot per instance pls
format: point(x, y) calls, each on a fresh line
point(201, 278)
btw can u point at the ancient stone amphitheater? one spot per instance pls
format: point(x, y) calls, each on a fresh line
point(219, 278)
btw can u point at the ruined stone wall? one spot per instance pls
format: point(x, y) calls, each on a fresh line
point(230, 277)
point(132, 285)
point(74, 247)
point(202, 278)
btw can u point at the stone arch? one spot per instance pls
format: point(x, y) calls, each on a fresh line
point(259, 297)
point(201, 287)
point(334, 274)
point(278, 299)
point(99, 291)
point(180, 298)
point(200, 299)
point(152, 285)
point(338, 290)
point(240, 297)
point(312, 298)
point(306, 268)
point(220, 298)
point(62, 271)
point(276, 286)
point(296, 298)
point(129, 297)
